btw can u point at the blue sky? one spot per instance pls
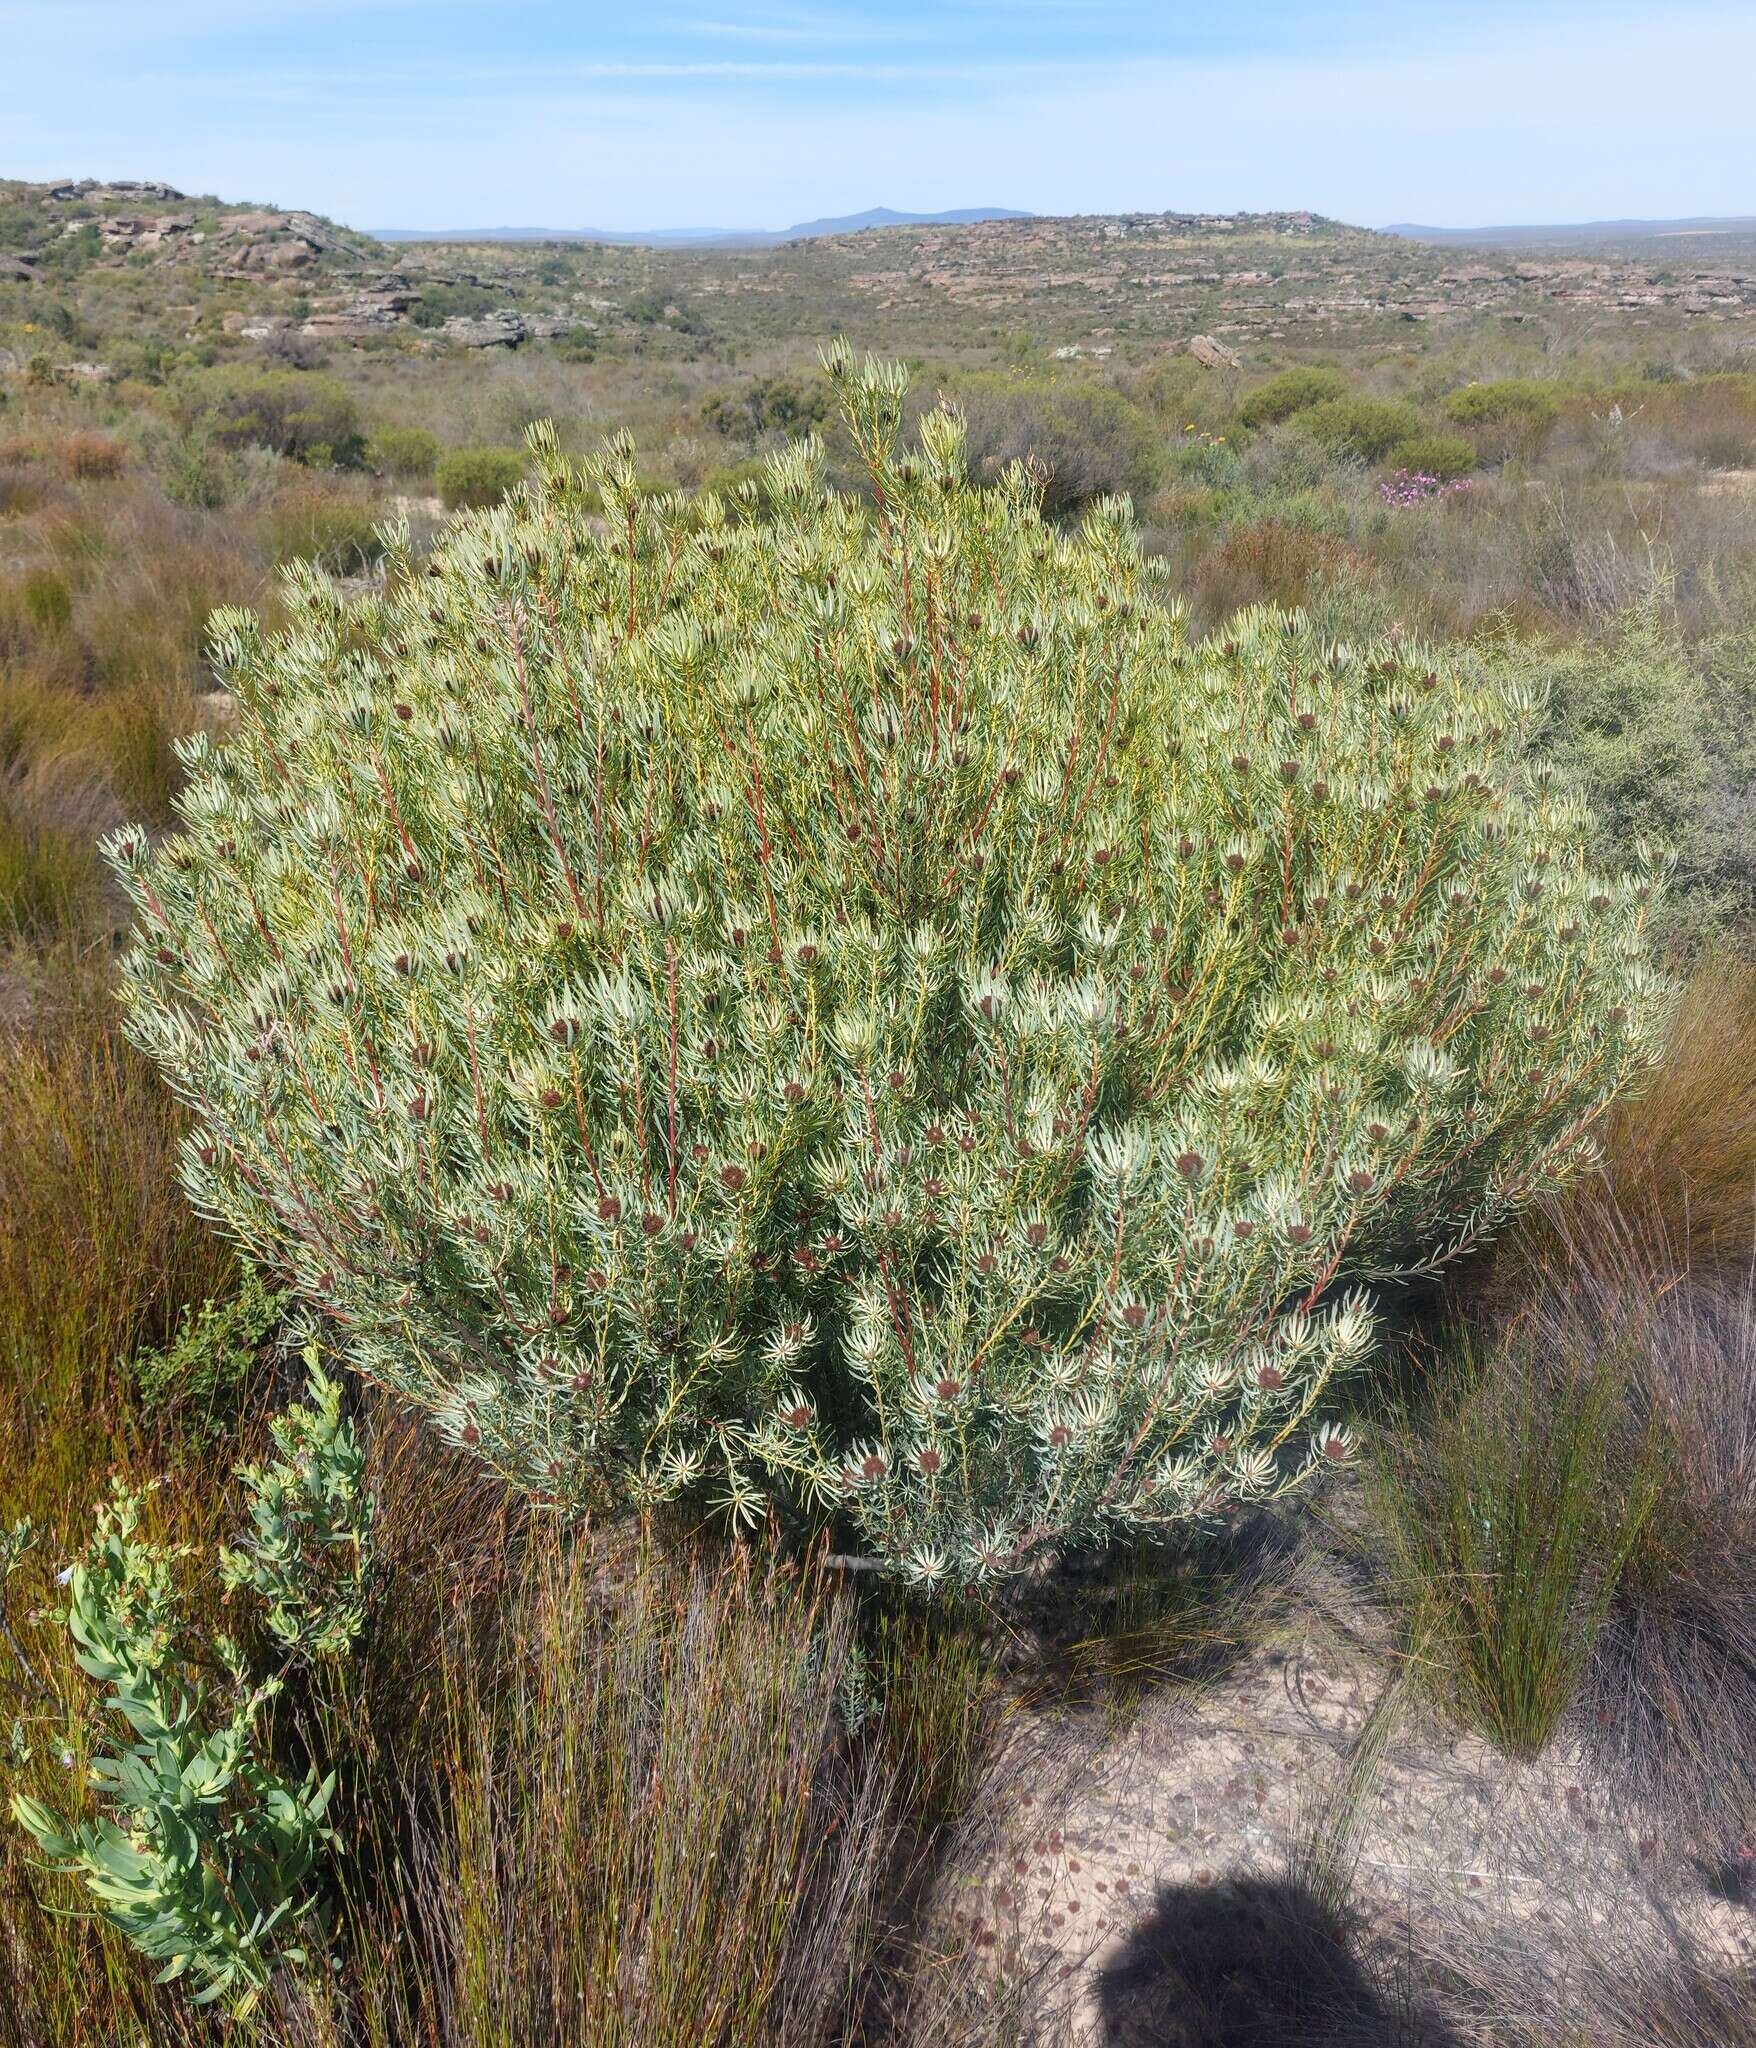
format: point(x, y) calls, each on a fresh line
point(442, 113)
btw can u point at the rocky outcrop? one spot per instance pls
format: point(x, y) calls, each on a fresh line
point(1214, 355)
point(490, 330)
point(376, 308)
point(113, 188)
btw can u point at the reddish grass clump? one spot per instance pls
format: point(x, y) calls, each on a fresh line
point(1680, 1155)
point(1272, 563)
point(93, 458)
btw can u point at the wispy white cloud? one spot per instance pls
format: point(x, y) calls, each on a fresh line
point(818, 29)
point(1606, 116)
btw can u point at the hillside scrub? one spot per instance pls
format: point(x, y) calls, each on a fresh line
point(311, 419)
point(1443, 457)
point(1366, 428)
point(1290, 392)
point(859, 1016)
point(1086, 438)
point(472, 478)
point(1502, 402)
point(1663, 735)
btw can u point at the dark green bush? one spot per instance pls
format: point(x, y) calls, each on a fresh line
point(474, 477)
point(1087, 438)
point(197, 1383)
point(771, 405)
point(404, 451)
point(1445, 456)
point(732, 477)
point(1292, 391)
point(310, 419)
point(1511, 418)
point(441, 302)
point(1367, 428)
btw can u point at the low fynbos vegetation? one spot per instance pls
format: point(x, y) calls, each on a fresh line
point(851, 1014)
point(201, 1853)
point(859, 995)
point(474, 477)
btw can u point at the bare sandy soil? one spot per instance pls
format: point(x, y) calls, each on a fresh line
point(1304, 1830)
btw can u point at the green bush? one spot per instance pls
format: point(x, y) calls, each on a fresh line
point(1292, 391)
point(1511, 417)
point(850, 1013)
point(1445, 456)
point(439, 302)
point(1367, 428)
point(47, 600)
point(769, 405)
point(1660, 734)
point(1509, 401)
point(198, 1382)
point(200, 1852)
point(471, 478)
point(1086, 439)
point(310, 419)
point(404, 451)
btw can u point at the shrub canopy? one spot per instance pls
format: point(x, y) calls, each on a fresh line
point(846, 1010)
point(471, 478)
point(1496, 404)
point(1291, 391)
point(1444, 456)
point(1364, 427)
point(311, 419)
point(1085, 439)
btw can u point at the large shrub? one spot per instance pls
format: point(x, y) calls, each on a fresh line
point(1660, 733)
point(767, 405)
point(1512, 416)
point(1086, 439)
point(849, 1011)
point(404, 451)
point(1506, 401)
point(1364, 427)
point(472, 478)
point(311, 419)
point(1292, 391)
point(1443, 457)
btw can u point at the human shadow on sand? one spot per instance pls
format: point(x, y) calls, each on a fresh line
point(1255, 1963)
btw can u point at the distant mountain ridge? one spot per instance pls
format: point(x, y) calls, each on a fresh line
point(1579, 231)
point(721, 238)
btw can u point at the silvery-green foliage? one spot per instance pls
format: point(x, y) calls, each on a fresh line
point(843, 1007)
point(201, 1853)
point(306, 1553)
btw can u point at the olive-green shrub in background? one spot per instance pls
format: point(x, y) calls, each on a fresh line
point(848, 1012)
point(1662, 731)
point(1292, 391)
point(404, 452)
point(1367, 428)
point(311, 419)
point(1086, 439)
point(470, 479)
point(1445, 456)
